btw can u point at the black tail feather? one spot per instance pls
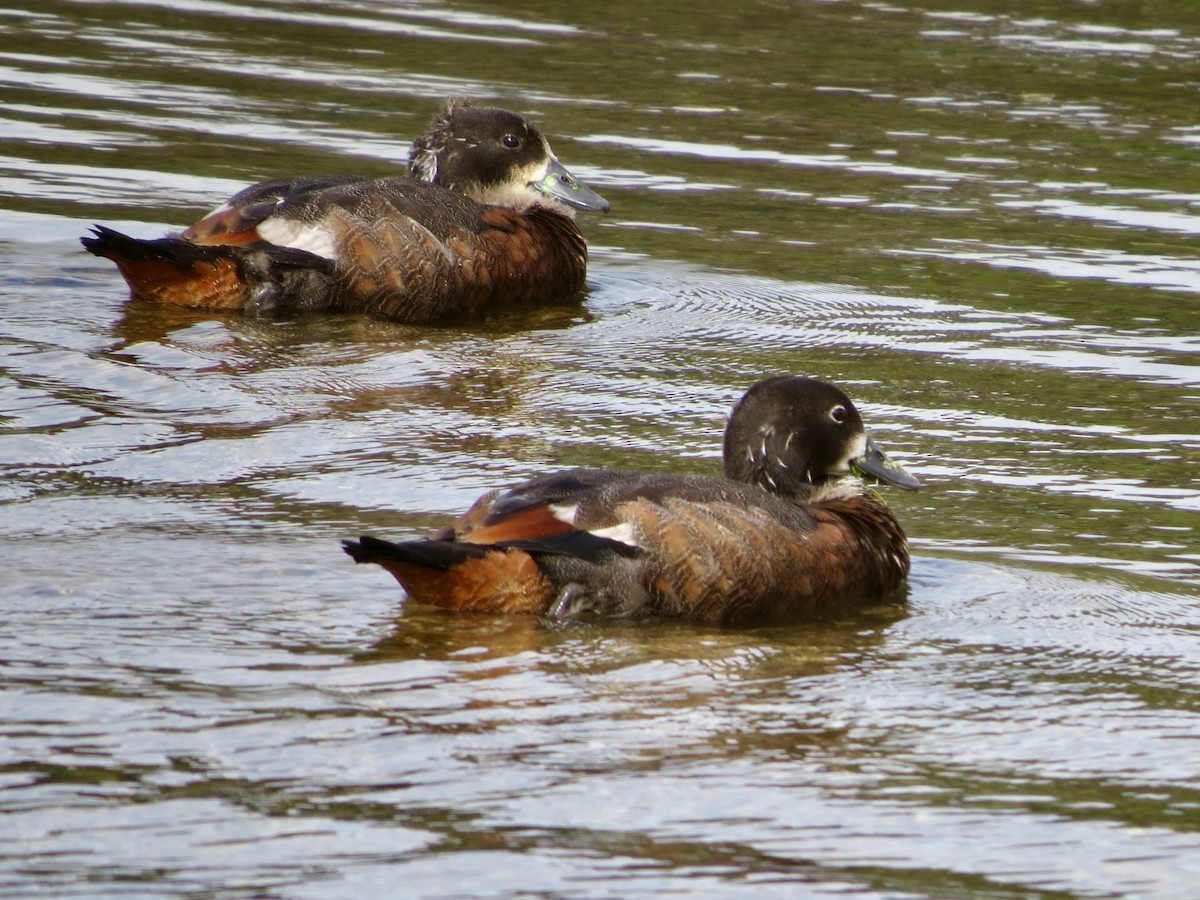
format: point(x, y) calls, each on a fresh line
point(108, 241)
point(112, 244)
point(445, 555)
point(181, 252)
point(441, 555)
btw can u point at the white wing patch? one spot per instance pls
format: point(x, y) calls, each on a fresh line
point(299, 236)
point(622, 534)
point(565, 513)
point(857, 449)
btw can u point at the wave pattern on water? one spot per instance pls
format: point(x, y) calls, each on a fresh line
point(980, 222)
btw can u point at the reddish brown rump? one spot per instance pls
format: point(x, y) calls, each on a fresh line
point(172, 270)
point(215, 285)
point(498, 581)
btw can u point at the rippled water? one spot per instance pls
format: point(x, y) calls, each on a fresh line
point(981, 221)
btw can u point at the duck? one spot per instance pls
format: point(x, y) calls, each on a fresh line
point(484, 217)
point(791, 530)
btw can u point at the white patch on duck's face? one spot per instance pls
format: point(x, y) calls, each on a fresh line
point(423, 163)
point(517, 191)
point(856, 449)
point(764, 434)
point(283, 232)
point(786, 445)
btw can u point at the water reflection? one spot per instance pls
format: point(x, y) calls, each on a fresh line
point(725, 152)
point(1169, 273)
point(980, 221)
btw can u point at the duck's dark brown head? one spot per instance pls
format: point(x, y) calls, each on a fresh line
point(790, 435)
point(497, 157)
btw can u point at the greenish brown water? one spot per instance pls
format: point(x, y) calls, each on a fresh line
point(981, 221)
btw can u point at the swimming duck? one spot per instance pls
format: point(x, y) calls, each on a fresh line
point(485, 217)
point(790, 530)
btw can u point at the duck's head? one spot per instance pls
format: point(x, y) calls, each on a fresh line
point(791, 435)
point(497, 157)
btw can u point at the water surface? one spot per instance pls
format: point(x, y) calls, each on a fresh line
point(981, 222)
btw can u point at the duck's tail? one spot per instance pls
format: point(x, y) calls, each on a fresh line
point(176, 271)
point(459, 574)
point(173, 270)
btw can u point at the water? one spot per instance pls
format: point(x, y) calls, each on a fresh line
point(981, 222)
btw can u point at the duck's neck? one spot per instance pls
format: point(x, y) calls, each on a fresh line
point(519, 197)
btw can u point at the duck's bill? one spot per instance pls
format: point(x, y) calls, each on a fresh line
point(562, 185)
point(874, 463)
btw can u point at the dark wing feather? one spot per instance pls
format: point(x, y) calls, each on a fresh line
point(235, 222)
point(441, 211)
point(581, 545)
point(564, 488)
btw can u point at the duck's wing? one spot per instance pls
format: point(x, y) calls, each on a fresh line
point(235, 221)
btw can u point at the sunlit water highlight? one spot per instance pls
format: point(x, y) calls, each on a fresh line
point(981, 224)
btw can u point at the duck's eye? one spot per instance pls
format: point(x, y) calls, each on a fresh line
point(838, 414)
point(511, 141)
